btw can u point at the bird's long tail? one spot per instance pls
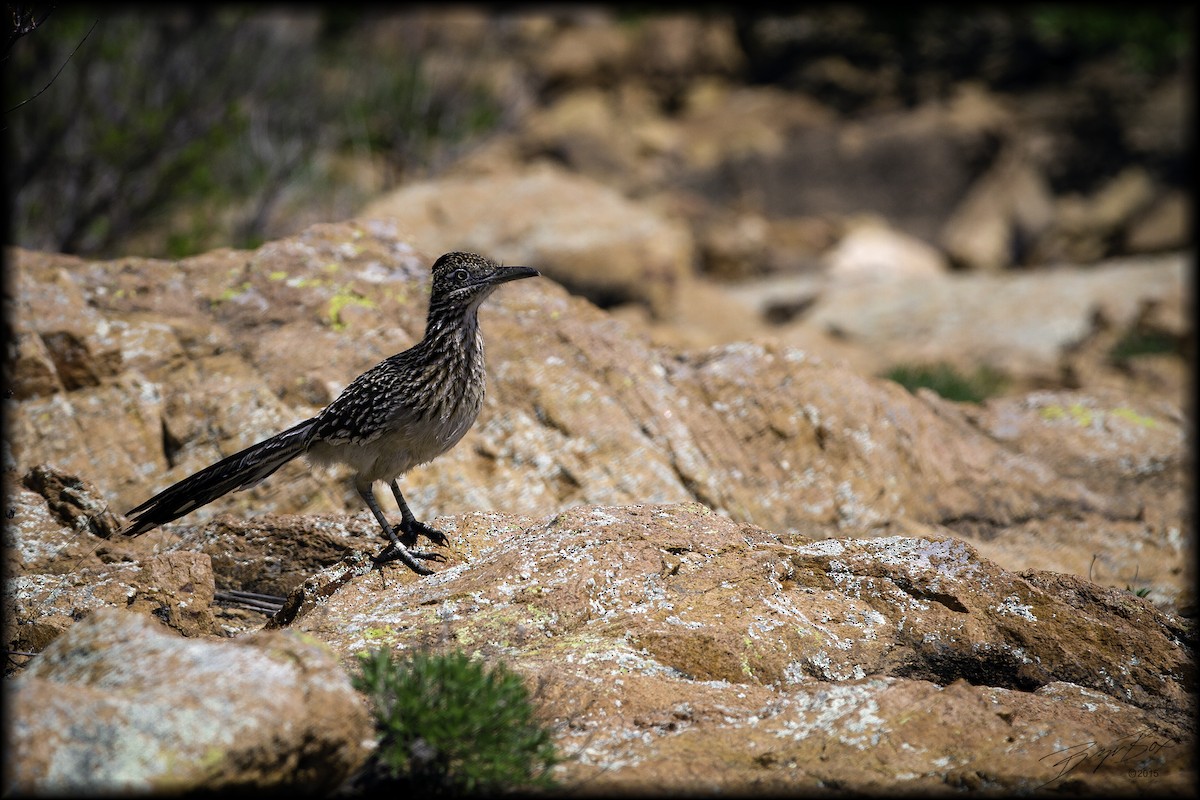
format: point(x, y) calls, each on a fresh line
point(238, 471)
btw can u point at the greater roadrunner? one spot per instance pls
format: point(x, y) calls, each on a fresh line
point(404, 411)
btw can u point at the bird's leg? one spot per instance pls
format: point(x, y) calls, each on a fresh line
point(396, 550)
point(410, 527)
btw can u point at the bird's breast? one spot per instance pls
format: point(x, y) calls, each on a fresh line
point(407, 411)
point(451, 397)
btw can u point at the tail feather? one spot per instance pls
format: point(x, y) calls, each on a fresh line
point(238, 471)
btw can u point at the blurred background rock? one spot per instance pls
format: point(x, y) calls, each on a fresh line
point(709, 176)
point(1002, 137)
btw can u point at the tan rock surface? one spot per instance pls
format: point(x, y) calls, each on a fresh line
point(870, 251)
point(120, 705)
point(747, 551)
point(1020, 323)
point(62, 567)
point(580, 408)
point(1005, 209)
point(1130, 449)
point(578, 231)
point(656, 633)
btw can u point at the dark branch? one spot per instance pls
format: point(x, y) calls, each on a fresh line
point(23, 21)
point(60, 69)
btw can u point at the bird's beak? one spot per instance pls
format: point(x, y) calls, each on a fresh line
point(506, 274)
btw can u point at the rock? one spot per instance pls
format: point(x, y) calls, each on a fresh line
point(748, 551)
point(577, 231)
point(870, 251)
point(1103, 438)
point(131, 350)
point(65, 525)
point(810, 167)
point(1021, 324)
point(606, 86)
point(739, 250)
point(1086, 226)
point(735, 248)
point(120, 705)
point(676, 48)
point(65, 321)
point(581, 409)
point(72, 501)
point(1156, 122)
point(952, 738)
point(1163, 226)
point(655, 632)
point(40, 607)
point(794, 244)
point(723, 126)
point(176, 588)
point(790, 115)
point(1003, 214)
point(174, 376)
point(1125, 448)
point(316, 587)
point(590, 50)
point(32, 372)
point(275, 553)
point(590, 131)
point(1121, 198)
point(709, 312)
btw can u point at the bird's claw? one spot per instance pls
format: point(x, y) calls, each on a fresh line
point(410, 533)
point(395, 552)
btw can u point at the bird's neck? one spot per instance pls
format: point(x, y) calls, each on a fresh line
point(454, 335)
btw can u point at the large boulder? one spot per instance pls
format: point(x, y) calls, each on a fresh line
point(120, 705)
point(654, 633)
point(748, 550)
point(581, 233)
point(1019, 323)
point(580, 408)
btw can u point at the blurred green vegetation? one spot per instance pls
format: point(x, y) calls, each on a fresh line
point(1144, 343)
point(203, 122)
point(950, 382)
point(1149, 39)
point(172, 129)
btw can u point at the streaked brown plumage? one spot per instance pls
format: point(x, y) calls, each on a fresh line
point(407, 410)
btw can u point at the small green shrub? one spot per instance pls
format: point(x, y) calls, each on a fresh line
point(949, 382)
point(1143, 343)
point(449, 725)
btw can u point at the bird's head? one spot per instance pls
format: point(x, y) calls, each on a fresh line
point(465, 279)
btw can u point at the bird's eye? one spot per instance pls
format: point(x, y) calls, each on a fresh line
point(460, 275)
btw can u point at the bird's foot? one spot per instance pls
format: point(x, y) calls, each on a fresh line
point(397, 552)
point(409, 533)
